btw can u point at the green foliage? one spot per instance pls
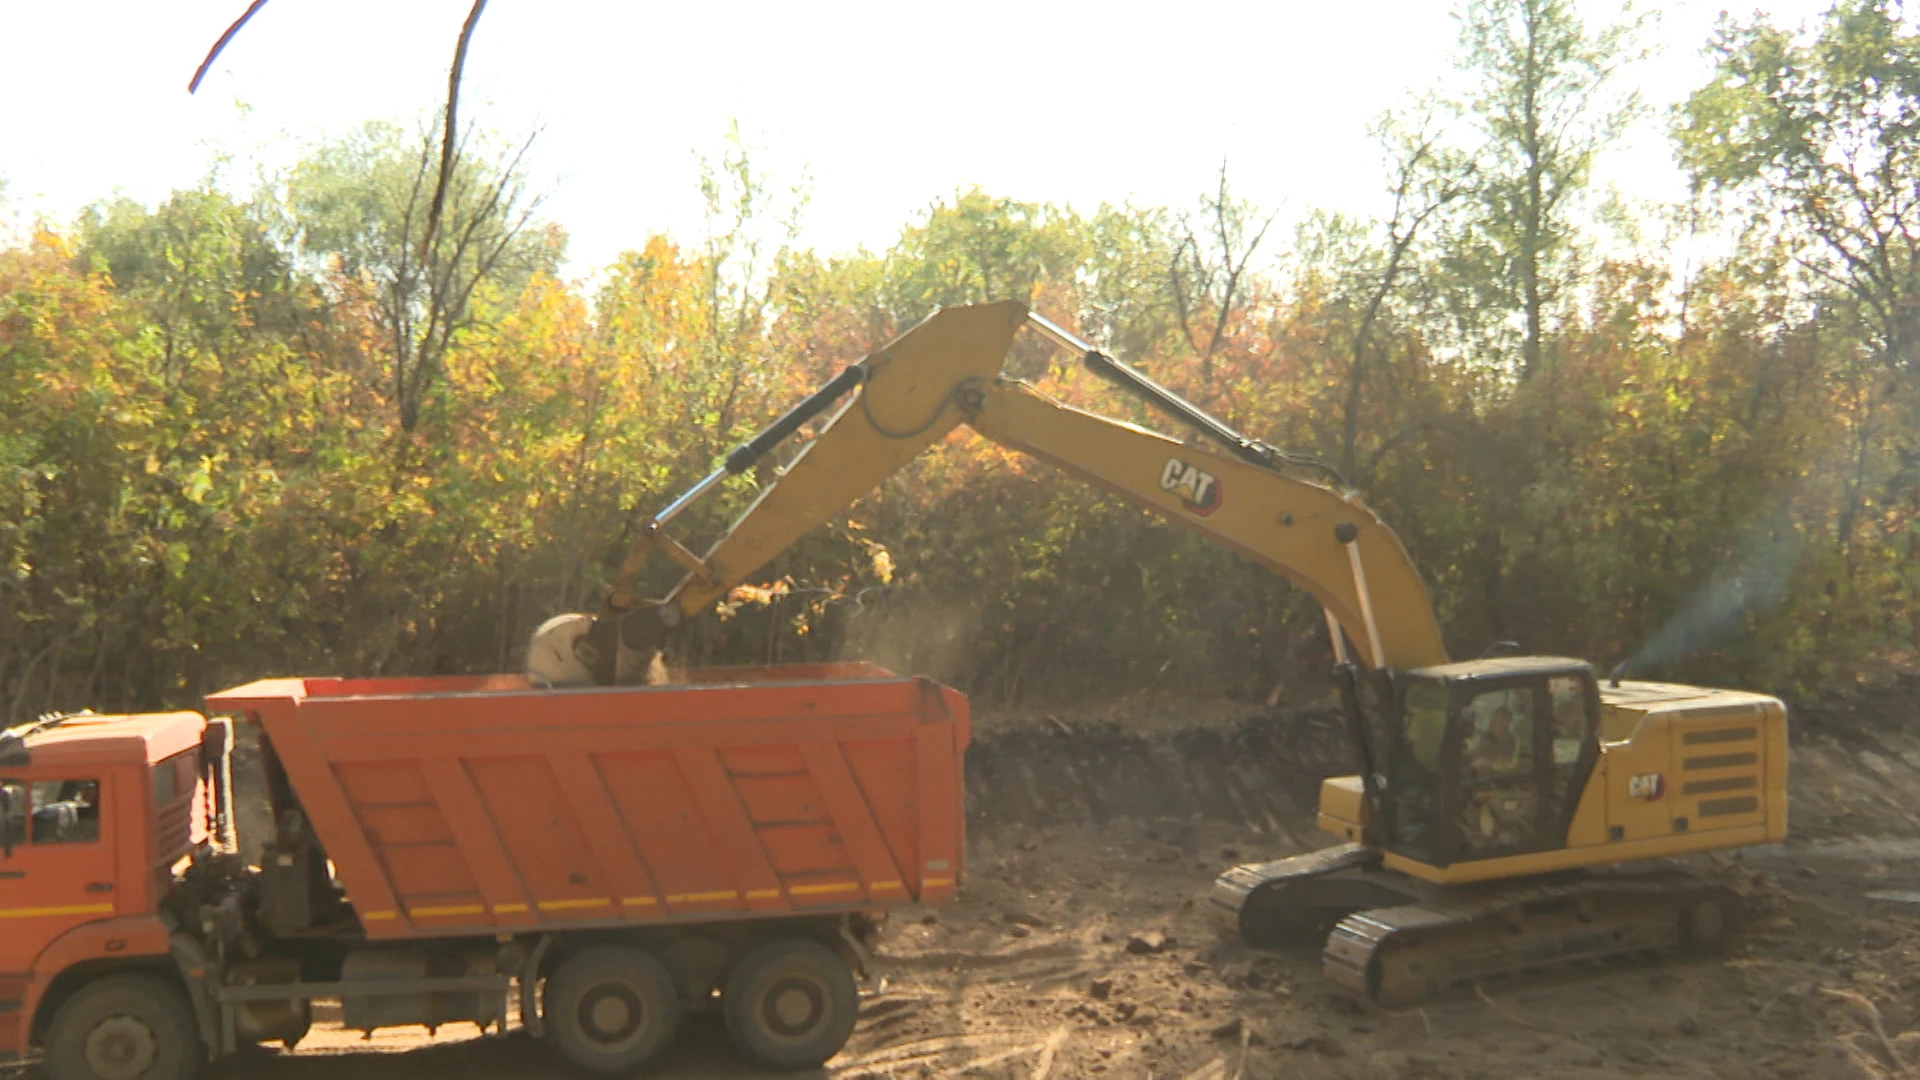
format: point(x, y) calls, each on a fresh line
point(358, 208)
point(978, 248)
point(1819, 140)
point(1542, 100)
point(1814, 147)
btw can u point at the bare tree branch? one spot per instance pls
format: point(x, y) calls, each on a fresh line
point(448, 133)
point(214, 53)
point(1403, 228)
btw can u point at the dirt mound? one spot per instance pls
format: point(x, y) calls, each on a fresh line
point(1855, 768)
point(1262, 771)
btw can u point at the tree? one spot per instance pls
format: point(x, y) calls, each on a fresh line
point(1543, 104)
point(203, 267)
point(1207, 274)
point(1426, 179)
point(981, 248)
point(359, 207)
point(738, 258)
point(1818, 144)
point(1824, 136)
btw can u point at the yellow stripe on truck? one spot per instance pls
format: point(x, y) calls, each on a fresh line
point(702, 897)
point(812, 890)
point(49, 912)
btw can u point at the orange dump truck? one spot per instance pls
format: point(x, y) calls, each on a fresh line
point(597, 861)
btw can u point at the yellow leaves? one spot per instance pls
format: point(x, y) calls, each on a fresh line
point(760, 594)
point(199, 482)
point(882, 561)
point(45, 240)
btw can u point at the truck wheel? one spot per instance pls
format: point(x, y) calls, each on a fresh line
point(611, 1009)
point(790, 1004)
point(124, 1027)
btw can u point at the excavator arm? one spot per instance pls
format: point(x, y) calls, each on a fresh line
point(946, 372)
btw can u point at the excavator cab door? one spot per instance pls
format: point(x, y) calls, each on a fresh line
point(1411, 774)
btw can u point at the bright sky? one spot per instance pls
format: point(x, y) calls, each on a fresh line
point(887, 105)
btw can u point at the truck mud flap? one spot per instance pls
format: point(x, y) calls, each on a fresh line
point(196, 972)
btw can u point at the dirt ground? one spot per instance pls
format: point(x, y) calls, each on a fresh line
point(1078, 947)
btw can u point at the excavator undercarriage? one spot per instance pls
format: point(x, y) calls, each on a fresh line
point(1397, 940)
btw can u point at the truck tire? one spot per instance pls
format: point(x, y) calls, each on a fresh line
point(790, 1004)
point(611, 1009)
point(124, 1027)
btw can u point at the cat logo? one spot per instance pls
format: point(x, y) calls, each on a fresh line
point(1648, 786)
point(1197, 488)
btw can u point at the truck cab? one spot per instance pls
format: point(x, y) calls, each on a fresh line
point(95, 811)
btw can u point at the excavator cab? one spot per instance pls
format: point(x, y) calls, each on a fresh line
point(1484, 758)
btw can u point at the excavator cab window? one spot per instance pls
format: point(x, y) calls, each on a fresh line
point(1413, 769)
point(1497, 797)
point(1488, 760)
point(1575, 701)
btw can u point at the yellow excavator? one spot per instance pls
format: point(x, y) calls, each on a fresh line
point(1511, 812)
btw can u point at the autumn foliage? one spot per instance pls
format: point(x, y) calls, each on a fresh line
point(209, 473)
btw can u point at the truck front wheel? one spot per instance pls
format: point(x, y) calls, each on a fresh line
point(611, 1009)
point(124, 1027)
point(790, 1004)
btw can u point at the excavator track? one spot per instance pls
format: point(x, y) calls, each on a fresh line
point(1299, 898)
point(1404, 955)
point(1428, 938)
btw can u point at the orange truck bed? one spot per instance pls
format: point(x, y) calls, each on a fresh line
point(463, 805)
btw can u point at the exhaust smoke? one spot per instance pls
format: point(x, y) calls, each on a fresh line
point(1752, 583)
